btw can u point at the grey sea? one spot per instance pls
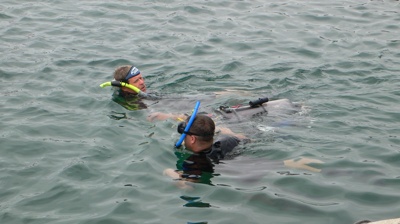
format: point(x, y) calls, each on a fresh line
point(70, 154)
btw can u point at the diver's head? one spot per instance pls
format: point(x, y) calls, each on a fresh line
point(200, 134)
point(131, 75)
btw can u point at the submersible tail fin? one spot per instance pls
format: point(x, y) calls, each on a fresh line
point(252, 104)
point(255, 107)
point(259, 102)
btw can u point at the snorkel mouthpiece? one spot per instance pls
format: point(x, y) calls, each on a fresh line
point(189, 124)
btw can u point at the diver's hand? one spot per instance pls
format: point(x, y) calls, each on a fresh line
point(176, 176)
point(157, 116)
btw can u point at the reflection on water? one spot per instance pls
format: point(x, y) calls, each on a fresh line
point(193, 167)
point(194, 202)
point(117, 115)
point(128, 101)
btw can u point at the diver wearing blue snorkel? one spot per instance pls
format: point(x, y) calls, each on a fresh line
point(198, 133)
point(198, 137)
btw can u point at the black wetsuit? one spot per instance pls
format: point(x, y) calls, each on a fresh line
point(221, 147)
point(200, 166)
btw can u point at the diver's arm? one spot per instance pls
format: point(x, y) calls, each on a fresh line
point(164, 116)
point(227, 131)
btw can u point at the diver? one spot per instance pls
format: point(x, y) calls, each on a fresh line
point(204, 151)
point(198, 133)
point(132, 94)
point(131, 88)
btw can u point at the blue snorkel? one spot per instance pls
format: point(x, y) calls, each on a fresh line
point(187, 128)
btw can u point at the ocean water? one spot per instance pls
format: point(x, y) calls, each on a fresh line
point(70, 154)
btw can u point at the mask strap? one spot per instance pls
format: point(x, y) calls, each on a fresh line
point(133, 71)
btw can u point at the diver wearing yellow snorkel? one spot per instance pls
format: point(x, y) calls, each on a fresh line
point(131, 75)
point(132, 88)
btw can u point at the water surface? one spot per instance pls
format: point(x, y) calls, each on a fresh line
point(66, 158)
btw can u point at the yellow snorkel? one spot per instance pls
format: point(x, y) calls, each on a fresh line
point(124, 84)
